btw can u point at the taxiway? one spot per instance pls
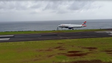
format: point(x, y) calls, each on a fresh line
point(52, 36)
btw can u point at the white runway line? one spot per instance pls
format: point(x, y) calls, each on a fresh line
point(103, 31)
point(108, 32)
point(4, 39)
point(6, 35)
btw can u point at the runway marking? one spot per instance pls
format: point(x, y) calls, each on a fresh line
point(103, 31)
point(108, 32)
point(6, 35)
point(4, 38)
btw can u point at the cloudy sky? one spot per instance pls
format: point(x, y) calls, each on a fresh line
point(54, 10)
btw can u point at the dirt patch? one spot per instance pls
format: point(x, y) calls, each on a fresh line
point(72, 46)
point(74, 51)
point(61, 49)
point(39, 50)
point(74, 54)
point(57, 47)
point(85, 61)
point(92, 61)
point(49, 56)
point(49, 49)
point(36, 59)
point(108, 51)
point(90, 48)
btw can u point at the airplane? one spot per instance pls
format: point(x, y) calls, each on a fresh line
point(72, 26)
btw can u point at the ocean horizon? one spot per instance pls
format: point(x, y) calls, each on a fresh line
point(52, 25)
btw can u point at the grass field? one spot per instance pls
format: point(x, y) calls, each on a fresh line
point(57, 51)
point(54, 31)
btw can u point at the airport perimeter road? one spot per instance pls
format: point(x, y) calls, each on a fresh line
point(51, 36)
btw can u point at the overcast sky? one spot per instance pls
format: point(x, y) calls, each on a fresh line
point(54, 10)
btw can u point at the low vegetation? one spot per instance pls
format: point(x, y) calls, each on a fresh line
point(53, 31)
point(97, 50)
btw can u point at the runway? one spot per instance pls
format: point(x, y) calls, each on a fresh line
point(52, 36)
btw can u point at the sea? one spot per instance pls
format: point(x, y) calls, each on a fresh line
point(52, 25)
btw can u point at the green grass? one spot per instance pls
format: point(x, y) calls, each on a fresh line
point(54, 31)
point(48, 51)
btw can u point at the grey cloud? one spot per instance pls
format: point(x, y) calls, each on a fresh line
point(62, 12)
point(10, 5)
point(19, 5)
point(76, 5)
point(35, 6)
point(55, 6)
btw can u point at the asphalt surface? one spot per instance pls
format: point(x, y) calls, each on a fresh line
point(52, 36)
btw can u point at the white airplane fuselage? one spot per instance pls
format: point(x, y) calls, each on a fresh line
point(72, 26)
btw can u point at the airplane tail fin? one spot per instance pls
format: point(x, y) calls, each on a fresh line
point(84, 24)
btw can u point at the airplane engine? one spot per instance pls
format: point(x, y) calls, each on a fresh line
point(70, 28)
